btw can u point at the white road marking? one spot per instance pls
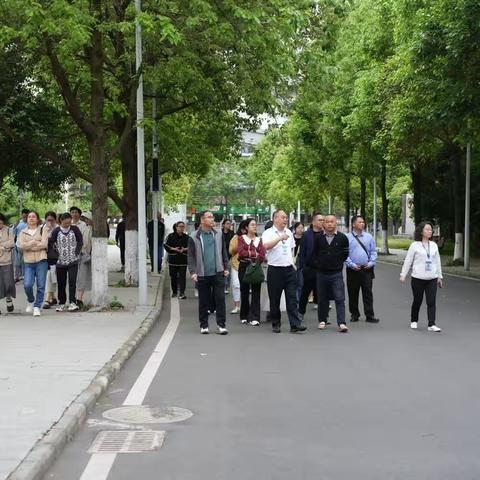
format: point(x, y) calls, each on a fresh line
point(100, 464)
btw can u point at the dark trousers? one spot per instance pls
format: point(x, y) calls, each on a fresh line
point(178, 278)
point(309, 284)
point(330, 285)
point(160, 256)
point(205, 287)
point(62, 273)
point(249, 309)
point(122, 253)
point(283, 279)
point(356, 280)
point(430, 288)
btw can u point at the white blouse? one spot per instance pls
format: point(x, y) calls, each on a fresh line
point(424, 261)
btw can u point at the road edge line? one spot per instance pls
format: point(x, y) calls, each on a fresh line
point(48, 448)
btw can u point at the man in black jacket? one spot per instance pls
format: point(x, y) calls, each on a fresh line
point(330, 252)
point(177, 247)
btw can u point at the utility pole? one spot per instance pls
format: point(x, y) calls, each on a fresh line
point(142, 214)
point(299, 215)
point(155, 188)
point(466, 252)
point(375, 209)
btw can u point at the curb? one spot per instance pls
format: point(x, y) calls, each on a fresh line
point(44, 453)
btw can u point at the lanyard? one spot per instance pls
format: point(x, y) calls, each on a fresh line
point(428, 251)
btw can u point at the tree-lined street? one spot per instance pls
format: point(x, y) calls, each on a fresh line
point(381, 402)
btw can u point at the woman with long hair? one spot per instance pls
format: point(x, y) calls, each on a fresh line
point(298, 230)
point(51, 287)
point(423, 258)
point(7, 281)
point(250, 251)
point(234, 263)
point(67, 240)
point(33, 240)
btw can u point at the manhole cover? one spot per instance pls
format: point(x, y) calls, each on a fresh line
point(121, 441)
point(145, 414)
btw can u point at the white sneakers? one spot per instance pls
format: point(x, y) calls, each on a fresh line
point(222, 331)
point(255, 323)
point(60, 307)
point(322, 326)
point(73, 307)
point(235, 310)
point(204, 331)
point(244, 321)
point(29, 308)
point(433, 328)
point(36, 312)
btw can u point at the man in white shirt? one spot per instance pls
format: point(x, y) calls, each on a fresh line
point(281, 275)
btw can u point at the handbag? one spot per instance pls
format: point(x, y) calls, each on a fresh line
point(52, 255)
point(254, 273)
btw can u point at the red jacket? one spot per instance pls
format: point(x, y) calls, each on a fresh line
point(248, 251)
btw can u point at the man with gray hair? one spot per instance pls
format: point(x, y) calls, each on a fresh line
point(281, 274)
point(208, 267)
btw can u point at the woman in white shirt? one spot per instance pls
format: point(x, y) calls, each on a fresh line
point(423, 258)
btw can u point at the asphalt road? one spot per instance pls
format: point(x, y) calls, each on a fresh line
point(381, 402)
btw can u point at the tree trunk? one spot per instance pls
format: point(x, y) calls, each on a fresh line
point(363, 197)
point(458, 180)
point(347, 202)
point(129, 180)
point(384, 220)
point(417, 185)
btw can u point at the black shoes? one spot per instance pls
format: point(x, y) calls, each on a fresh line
point(354, 318)
point(276, 329)
point(298, 329)
point(372, 320)
point(182, 296)
point(174, 295)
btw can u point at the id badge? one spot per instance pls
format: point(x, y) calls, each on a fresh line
point(284, 248)
point(428, 265)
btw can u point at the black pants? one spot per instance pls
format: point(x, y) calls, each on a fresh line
point(122, 253)
point(280, 279)
point(205, 287)
point(249, 309)
point(62, 272)
point(309, 284)
point(430, 289)
point(356, 280)
point(178, 278)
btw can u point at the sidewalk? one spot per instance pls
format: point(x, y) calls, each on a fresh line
point(46, 362)
point(397, 257)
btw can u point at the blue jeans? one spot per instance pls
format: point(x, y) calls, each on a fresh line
point(330, 285)
point(35, 271)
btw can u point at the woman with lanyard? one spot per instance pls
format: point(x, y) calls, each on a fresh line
point(235, 265)
point(424, 259)
point(298, 229)
point(250, 250)
point(33, 241)
point(7, 282)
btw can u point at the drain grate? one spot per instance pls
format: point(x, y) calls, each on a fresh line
point(121, 441)
point(146, 414)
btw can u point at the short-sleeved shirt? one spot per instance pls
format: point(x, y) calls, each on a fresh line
point(208, 246)
point(281, 255)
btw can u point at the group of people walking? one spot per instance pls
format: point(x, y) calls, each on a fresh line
point(299, 263)
point(48, 255)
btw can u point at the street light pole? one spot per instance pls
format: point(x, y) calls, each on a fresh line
point(154, 189)
point(467, 208)
point(375, 209)
point(142, 214)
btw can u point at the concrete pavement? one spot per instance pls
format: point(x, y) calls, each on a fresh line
point(46, 362)
point(381, 402)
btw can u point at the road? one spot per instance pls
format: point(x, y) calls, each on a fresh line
point(381, 402)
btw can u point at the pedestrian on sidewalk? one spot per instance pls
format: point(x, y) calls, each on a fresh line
point(281, 275)
point(84, 278)
point(67, 240)
point(227, 233)
point(305, 263)
point(176, 246)
point(298, 232)
point(77, 221)
point(330, 251)
point(120, 241)
point(33, 241)
point(250, 252)
point(161, 237)
point(7, 280)
point(360, 263)
point(234, 266)
point(51, 287)
point(423, 258)
point(18, 263)
point(208, 265)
